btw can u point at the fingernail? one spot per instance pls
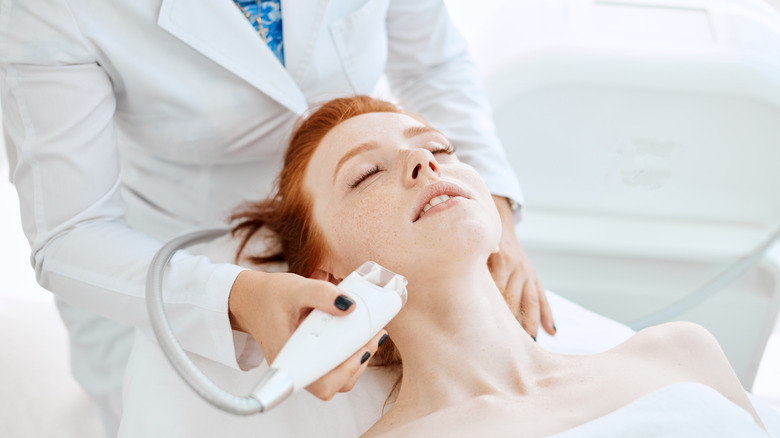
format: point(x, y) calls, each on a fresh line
point(343, 302)
point(555, 329)
point(533, 337)
point(382, 339)
point(365, 358)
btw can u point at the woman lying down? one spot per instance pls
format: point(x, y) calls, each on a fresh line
point(370, 182)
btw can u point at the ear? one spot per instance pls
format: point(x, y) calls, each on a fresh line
point(321, 274)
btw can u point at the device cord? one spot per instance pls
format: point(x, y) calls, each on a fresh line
point(731, 273)
point(168, 342)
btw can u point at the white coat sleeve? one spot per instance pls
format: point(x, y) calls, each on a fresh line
point(58, 109)
point(431, 72)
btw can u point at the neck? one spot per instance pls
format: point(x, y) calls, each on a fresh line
point(459, 340)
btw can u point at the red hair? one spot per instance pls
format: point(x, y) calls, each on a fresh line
point(287, 213)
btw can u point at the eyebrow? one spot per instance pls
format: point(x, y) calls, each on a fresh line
point(419, 130)
point(410, 132)
point(362, 147)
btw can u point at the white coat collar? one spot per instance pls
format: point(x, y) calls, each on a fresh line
point(218, 30)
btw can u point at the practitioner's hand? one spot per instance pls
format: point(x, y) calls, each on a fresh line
point(270, 306)
point(517, 278)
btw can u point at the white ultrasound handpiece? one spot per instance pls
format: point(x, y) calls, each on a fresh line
point(324, 341)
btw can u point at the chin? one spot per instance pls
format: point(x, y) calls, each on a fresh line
point(457, 247)
point(480, 233)
point(471, 244)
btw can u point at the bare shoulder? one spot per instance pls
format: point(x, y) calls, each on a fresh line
point(659, 356)
point(684, 351)
point(688, 352)
point(684, 341)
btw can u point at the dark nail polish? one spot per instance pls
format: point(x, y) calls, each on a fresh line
point(343, 302)
point(533, 337)
point(555, 329)
point(365, 358)
point(382, 339)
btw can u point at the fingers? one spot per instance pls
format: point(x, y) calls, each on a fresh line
point(499, 270)
point(513, 293)
point(529, 309)
point(326, 297)
point(548, 322)
point(370, 349)
point(524, 294)
point(343, 377)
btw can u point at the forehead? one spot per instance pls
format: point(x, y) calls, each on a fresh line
point(380, 128)
point(365, 128)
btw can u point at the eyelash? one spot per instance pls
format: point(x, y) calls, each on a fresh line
point(446, 149)
point(364, 176)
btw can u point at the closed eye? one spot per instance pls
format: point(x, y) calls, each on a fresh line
point(442, 149)
point(364, 176)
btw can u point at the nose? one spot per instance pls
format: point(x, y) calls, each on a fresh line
point(420, 163)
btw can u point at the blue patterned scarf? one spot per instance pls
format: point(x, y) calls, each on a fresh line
point(268, 14)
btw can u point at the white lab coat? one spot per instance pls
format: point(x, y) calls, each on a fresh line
point(131, 121)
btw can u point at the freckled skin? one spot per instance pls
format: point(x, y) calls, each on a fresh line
point(475, 369)
point(374, 220)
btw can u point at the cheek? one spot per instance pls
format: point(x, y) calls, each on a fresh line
point(369, 230)
point(488, 226)
point(496, 227)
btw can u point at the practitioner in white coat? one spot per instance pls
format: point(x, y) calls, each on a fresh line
point(129, 122)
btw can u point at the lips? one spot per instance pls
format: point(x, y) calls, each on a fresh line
point(435, 194)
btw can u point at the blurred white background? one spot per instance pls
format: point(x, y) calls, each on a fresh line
point(18, 279)
point(470, 22)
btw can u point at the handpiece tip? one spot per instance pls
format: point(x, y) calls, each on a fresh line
point(273, 388)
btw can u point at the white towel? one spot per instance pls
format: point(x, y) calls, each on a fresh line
point(679, 410)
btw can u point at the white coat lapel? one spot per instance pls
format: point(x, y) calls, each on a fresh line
point(301, 26)
point(217, 29)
